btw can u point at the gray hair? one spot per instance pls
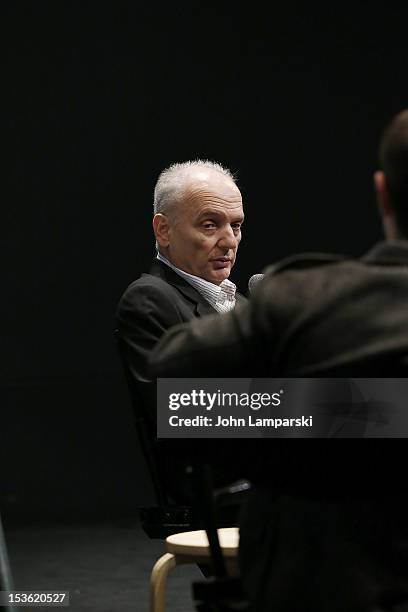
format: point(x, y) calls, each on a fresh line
point(174, 180)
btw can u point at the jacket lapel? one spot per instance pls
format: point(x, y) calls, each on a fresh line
point(202, 307)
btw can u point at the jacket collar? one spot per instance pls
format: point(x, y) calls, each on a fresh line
point(160, 269)
point(386, 253)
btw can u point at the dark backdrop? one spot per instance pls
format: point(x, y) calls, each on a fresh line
point(99, 98)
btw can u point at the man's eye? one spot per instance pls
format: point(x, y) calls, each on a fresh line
point(236, 227)
point(208, 225)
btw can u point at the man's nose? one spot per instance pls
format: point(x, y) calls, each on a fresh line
point(228, 240)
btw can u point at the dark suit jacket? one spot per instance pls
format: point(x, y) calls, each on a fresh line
point(150, 306)
point(327, 522)
point(310, 315)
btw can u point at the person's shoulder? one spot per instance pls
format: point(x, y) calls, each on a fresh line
point(147, 287)
point(148, 282)
point(301, 282)
point(305, 262)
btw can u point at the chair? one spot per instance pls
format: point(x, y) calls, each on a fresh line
point(215, 549)
point(185, 541)
point(169, 516)
point(190, 547)
point(165, 517)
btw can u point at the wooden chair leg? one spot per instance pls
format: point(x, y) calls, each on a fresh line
point(158, 580)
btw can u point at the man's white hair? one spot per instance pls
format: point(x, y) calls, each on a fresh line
point(175, 179)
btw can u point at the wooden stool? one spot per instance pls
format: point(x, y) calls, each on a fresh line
point(190, 547)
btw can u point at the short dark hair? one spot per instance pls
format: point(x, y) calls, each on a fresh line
point(393, 157)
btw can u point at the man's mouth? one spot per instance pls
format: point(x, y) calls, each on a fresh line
point(221, 262)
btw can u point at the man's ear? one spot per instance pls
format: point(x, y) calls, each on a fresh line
point(161, 228)
point(383, 199)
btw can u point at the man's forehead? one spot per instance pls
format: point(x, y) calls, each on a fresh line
point(210, 191)
point(227, 209)
point(212, 203)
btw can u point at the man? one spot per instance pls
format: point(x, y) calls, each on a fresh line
point(326, 527)
point(198, 215)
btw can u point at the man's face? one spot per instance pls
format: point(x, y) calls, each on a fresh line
point(206, 230)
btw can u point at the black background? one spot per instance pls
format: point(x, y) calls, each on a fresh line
point(99, 98)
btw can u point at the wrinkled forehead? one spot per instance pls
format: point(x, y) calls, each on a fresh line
point(206, 191)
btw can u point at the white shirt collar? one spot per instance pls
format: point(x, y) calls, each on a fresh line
point(221, 297)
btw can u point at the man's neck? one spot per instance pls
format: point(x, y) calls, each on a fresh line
point(168, 261)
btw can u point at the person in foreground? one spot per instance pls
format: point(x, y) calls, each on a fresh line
point(198, 215)
point(326, 525)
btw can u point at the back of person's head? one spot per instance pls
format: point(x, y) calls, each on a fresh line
point(393, 157)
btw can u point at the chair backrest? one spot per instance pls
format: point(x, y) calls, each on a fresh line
point(221, 592)
point(167, 517)
point(144, 428)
